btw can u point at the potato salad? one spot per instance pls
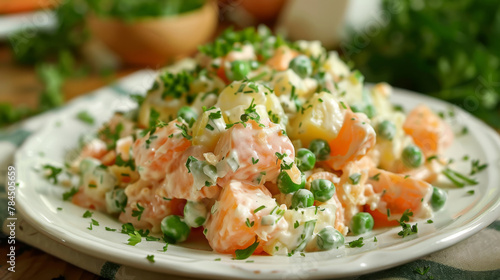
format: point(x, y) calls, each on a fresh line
point(263, 146)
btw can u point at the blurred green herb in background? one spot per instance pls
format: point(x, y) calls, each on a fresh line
point(53, 53)
point(133, 9)
point(448, 49)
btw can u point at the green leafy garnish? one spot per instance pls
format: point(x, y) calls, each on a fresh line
point(69, 194)
point(242, 254)
point(87, 214)
point(354, 178)
point(138, 213)
point(52, 173)
point(356, 243)
point(134, 238)
point(458, 179)
point(151, 258)
point(85, 117)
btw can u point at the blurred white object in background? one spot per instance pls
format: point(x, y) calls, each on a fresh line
point(11, 23)
point(326, 21)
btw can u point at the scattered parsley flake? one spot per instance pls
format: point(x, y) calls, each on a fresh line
point(59, 208)
point(247, 222)
point(458, 179)
point(151, 258)
point(242, 254)
point(53, 173)
point(375, 177)
point(165, 248)
point(138, 213)
point(356, 243)
point(85, 117)
point(259, 208)
point(471, 192)
point(87, 214)
point(69, 194)
point(477, 167)
point(354, 178)
point(296, 224)
point(254, 161)
point(134, 238)
point(343, 104)
point(109, 229)
point(430, 221)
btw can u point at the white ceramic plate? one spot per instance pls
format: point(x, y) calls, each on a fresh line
point(38, 200)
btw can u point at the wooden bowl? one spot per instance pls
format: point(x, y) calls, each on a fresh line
point(156, 41)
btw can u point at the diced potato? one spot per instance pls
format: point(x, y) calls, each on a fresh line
point(322, 118)
point(208, 128)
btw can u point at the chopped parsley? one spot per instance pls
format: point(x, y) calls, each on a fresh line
point(85, 117)
point(280, 156)
point(59, 208)
point(477, 167)
point(165, 248)
point(69, 194)
point(430, 221)
point(93, 223)
point(356, 243)
point(458, 179)
point(375, 177)
point(129, 163)
point(52, 173)
point(109, 229)
point(87, 214)
point(138, 213)
point(406, 228)
point(151, 258)
point(249, 224)
point(471, 192)
point(259, 208)
point(354, 178)
point(254, 161)
point(134, 238)
point(242, 254)
point(189, 161)
point(175, 85)
point(184, 132)
point(296, 224)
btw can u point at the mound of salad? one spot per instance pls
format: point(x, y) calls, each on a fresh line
point(266, 147)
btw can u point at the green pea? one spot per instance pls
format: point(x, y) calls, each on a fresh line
point(322, 189)
point(438, 198)
point(370, 111)
point(195, 214)
point(361, 222)
point(240, 69)
point(306, 159)
point(301, 65)
point(412, 156)
point(287, 185)
point(188, 114)
point(320, 149)
point(302, 199)
point(175, 229)
point(386, 130)
point(329, 238)
point(356, 108)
